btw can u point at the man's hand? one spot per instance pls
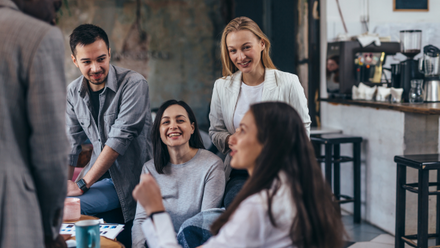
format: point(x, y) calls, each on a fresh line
point(57, 243)
point(72, 189)
point(147, 192)
point(104, 161)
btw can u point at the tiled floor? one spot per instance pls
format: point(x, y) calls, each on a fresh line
point(381, 241)
point(364, 235)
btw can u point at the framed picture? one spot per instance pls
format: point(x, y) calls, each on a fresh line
point(411, 5)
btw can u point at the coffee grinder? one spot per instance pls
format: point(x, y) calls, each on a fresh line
point(430, 66)
point(410, 45)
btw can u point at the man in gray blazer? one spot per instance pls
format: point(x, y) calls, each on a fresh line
point(33, 143)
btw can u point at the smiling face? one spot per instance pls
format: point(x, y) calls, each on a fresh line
point(244, 50)
point(93, 60)
point(245, 145)
point(332, 65)
point(175, 127)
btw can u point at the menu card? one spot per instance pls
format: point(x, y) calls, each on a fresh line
point(107, 230)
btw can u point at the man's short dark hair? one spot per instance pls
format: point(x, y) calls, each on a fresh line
point(86, 34)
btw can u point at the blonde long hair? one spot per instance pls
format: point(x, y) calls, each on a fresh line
point(243, 23)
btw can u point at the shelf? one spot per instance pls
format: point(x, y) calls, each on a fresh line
point(424, 108)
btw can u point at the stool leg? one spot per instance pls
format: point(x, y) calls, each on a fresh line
point(328, 163)
point(337, 171)
point(317, 148)
point(422, 215)
point(357, 182)
point(400, 206)
point(437, 223)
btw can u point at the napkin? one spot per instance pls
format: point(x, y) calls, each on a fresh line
point(396, 94)
point(382, 93)
point(363, 92)
point(367, 39)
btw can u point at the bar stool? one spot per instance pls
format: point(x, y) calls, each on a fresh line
point(316, 131)
point(333, 158)
point(423, 163)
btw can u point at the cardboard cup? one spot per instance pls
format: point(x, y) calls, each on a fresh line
point(72, 209)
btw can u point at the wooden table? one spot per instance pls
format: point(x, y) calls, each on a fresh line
point(105, 242)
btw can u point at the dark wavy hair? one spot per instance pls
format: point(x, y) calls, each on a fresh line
point(160, 150)
point(86, 34)
point(286, 148)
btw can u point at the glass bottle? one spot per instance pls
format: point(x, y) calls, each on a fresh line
point(416, 93)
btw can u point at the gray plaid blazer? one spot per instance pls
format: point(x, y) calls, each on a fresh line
point(33, 142)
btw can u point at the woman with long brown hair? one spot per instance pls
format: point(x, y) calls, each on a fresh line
point(249, 76)
point(284, 203)
point(332, 74)
point(192, 179)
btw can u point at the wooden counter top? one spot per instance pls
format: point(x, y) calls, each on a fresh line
point(424, 108)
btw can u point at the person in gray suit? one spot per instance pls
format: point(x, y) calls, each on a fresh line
point(33, 143)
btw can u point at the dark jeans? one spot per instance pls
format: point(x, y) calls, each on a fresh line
point(195, 231)
point(100, 198)
point(233, 186)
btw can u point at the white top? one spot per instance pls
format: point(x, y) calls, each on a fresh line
point(249, 226)
point(278, 86)
point(248, 95)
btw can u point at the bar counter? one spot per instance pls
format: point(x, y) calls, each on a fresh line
point(388, 129)
point(421, 108)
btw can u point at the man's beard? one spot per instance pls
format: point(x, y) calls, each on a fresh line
point(98, 82)
point(101, 81)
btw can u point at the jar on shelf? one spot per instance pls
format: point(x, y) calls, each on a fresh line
point(416, 93)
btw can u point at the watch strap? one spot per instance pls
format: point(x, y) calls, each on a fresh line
point(157, 212)
point(82, 185)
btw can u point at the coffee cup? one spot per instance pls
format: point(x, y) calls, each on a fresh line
point(87, 234)
point(72, 209)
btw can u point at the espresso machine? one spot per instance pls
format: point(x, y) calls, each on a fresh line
point(348, 64)
point(430, 66)
point(410, 45)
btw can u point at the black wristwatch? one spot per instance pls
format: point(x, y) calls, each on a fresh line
point(82, 185)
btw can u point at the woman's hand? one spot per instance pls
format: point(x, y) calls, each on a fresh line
point(147, 193)
point(228, 143)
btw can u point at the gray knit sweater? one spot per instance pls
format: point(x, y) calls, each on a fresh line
point(187, 189)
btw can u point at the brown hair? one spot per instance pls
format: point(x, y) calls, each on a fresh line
point(317, 223)
point(243, 23)
point(160, 150)
point(329, 73)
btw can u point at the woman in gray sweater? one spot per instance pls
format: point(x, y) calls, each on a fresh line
point(191, 178)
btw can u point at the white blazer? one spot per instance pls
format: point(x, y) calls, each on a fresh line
point(278, 86)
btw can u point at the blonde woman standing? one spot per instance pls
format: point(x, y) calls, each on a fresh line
point(249, 76)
